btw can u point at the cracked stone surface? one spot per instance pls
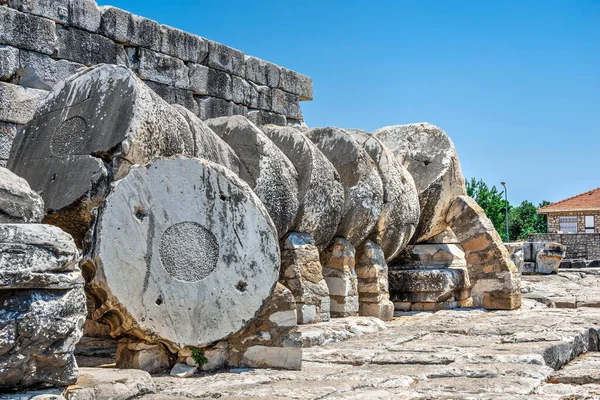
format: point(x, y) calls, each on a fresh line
point(572, 288)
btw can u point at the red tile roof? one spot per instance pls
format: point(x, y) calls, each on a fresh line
point(588, 201)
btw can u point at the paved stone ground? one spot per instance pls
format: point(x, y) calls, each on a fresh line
point(570, 288)
point(459, 354)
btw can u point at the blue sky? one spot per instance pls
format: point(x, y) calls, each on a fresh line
point(516, 84)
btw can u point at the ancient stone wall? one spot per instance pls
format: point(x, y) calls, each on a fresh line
point(44, 41)
point(584, 246)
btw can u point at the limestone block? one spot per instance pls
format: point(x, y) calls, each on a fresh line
point(162, 68)
point(172, 255)
point(40, 71)
point(219, 84)
point(183, 45)
point(173, 95)
point(267, 343)
point(301, 272)
point(152, 358)
point(95, 383)
point(183, 370)
point(27, 31)
point(226, 59)
point(320, 190)
point(207, 144)
point(18, 203)
point(57, 10)
point(243, 92)
point(214, 107)
point(548, 258)
point(383, 310)
point(39, 325)
point(431, 285)
point(127, 28)
point(432, 256)
point(262, 72)
point(446, 237)
point(293, 82)
point(487, 258)
point(261, 117)
point(372, 273)
point(400, 211)
point(286, 104)
point(338, 261)
point(198, 76)
point(8, 132)
point(10, 62)
point(18, 104)
point(264, 167)
point(63, 151)
point(84, 14)
point(517, 254)
point(430, 157)
point(363, 188)
point(88, 48)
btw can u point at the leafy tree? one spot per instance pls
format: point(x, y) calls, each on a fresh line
point(492, 202)
point(523, 220)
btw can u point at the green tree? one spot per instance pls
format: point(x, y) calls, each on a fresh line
point(524, 220)
point(492, 202)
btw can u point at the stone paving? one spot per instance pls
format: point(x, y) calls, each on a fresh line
point(538, 352)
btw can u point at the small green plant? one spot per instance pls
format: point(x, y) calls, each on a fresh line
point(198, 356)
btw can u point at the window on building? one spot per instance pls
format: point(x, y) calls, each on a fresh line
point(568, 224)
point(589, 224)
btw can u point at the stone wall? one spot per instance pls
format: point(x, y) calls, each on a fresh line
point(44, 41)
point(584, 246)
point(554, 221)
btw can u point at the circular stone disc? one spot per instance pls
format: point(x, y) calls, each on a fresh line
point(187, 250)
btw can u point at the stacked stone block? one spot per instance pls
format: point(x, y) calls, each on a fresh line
point(582, 246)
point(43, 42)
point(372, 274)
point(338, 261)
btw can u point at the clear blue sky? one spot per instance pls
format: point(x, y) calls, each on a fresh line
point(516, 84)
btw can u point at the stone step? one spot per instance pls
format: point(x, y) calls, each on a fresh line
point(429, 285)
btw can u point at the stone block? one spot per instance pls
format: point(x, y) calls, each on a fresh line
point(183, 45)
point(261, 117)
point(40, 71)
point(262, 72)
point(516, 251)
point(27, 31)
point(434, 285)
point(286, 104)
point(296, 83)
point(344, 306)
point(137, 355)
point(214, 107)
point(383, 310)
point(341, 286)
point(43, 306)
point(56, 10)
point(226, 59)
point(10, 62)
point(198, 77)
point(8, 132)
point(129, 29)
point(173, 95)
point(243, 92)
point(84, 14)
point(219, 84)
point(101, 383)
point(18, 104)
point(430, 256)
point(18, 203)
point(183, 370)
point(158, 67)
point(273, 357)
point(88, 48)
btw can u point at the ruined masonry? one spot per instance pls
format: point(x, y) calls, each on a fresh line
point(162, 189)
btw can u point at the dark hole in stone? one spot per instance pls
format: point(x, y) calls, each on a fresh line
point(223, 197)
point(159, 301)
point(242, 286)
point(53, 177)
point(426, 163)
point(140, 213)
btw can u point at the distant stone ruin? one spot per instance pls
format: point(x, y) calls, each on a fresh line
point(210, 219)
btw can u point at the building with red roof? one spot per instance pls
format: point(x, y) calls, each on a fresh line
point(577, 214)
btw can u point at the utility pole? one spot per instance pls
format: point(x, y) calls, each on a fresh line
point(505, 208)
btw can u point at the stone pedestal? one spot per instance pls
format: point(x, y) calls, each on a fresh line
point(429, 277)
point(372, 274)
point(301, 272)
point(543, 257)
point(338, 261)
point(517, 254)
